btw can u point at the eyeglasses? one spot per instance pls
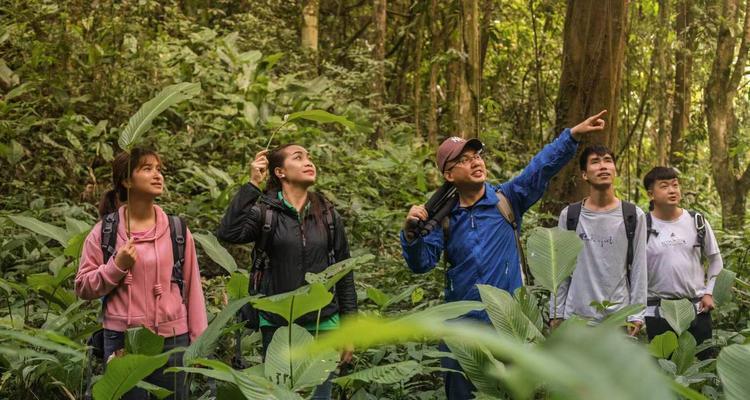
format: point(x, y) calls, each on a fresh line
point(467, 159)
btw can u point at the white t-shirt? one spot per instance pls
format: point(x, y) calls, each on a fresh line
point(673, 258)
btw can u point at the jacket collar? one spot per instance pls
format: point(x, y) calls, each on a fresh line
point(488, 199)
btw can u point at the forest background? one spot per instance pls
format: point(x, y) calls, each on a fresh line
point(407, 73)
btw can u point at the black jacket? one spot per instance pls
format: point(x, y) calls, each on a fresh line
point(294, 249)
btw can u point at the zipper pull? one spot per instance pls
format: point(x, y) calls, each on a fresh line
point(471, 215)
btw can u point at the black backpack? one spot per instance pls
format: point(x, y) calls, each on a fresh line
point(629, 215)
point(259, 283)
point(110, 222)
point(700, 227)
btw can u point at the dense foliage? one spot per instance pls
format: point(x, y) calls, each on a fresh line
point(72, 74)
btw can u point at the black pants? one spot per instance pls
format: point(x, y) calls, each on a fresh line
point(701, 329)
point(176, 382)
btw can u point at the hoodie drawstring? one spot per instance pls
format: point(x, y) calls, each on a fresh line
point(128, 281)
point(157, 289)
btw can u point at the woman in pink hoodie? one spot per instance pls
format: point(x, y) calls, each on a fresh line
point(137, 280)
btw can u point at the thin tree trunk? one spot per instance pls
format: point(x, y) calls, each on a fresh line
point(378, 83)
point(418, 77)
point(720, 90)
point(470, 84)
point(661, 135)
point(593, 53)
point(682, 80)
point(432, 123)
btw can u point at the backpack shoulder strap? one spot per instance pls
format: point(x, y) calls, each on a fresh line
point(506, 210)
point(700, 227)
point(631, 224)
point(330, 219)
point(109, 235)
point(574, 213)
point(178, 232)
point(108, 243)
point(268, 216)
point(650, 227)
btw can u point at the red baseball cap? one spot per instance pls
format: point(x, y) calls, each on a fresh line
point(453, 147)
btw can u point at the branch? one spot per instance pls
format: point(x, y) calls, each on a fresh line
point(739, 66)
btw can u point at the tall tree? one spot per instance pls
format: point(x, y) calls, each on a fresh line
point(720, 91)
point(378, 52)
point(593, 53)
point(435, 40)
point(470, 82)
point(309, 30)
point(682, 79)
point(661, 51)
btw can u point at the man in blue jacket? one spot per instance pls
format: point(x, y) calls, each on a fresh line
point(481, 245)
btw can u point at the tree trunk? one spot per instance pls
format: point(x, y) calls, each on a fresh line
point(682, 80)
point(470, 84)
point(309, 31)
point(432, 122)
point(661, 135)
point(418, 76)
point(378, 82)
point(720, 91)
point(593, 54)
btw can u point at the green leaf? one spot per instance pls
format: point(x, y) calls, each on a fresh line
point(335, 272)
point(733, 365)
point(320, 116)
point(389, 374)
point(216, 251)
point(143, 341)
point(157, 391)
point(684, 356)
point(403, 295)
point(205, 344)
point(75, 245)
point(75, 226)
point(123, 373)
point(377, 296)
point(507, 316)
point(292, 305)
point(620, 317)
point(306, 371)
point(475, 362)
point(679, 314)
point(237, 287)
point(552, 255)
point(685, 392)
point(250, 112)
point(42, 228)
point(445, 311)
point(141, 121)
point(252, 387)
point(723, 287)
point(69, 348)
point(663, 345)
point(530, 306)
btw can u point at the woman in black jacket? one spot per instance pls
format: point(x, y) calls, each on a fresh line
point(307, 235)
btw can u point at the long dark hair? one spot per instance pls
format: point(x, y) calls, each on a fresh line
point(276, 159)
point(118, 194)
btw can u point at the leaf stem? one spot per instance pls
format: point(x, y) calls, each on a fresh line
point(274, 134)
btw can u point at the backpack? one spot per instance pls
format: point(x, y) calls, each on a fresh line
point(700, 227)
point(506, 210)
point(110, 222)
point(629, 215)
point(261, 263)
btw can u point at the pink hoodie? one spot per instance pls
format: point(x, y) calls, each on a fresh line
point(145, 295)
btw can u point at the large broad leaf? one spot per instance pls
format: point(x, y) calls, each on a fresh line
point(206, 342)
point(320, 116)
point(684, 355)
point(143, 341)
point(723, 287)
point(733, 365)
point(679, 314)
point(141, 121)
point(552, 255)
point(620, 317)
point(335, 272)
point(123, 373)
point(297, 304)
point(42, 228)
point(662, 346)
point(507, 316)
point(384, 374)
point(43, 340)
point(237, 287)
point(216, 251)
point(475, 361)
point(530, 306)
point(252, 387)
point(298, 372)
point(446, 311)
point(157, 391)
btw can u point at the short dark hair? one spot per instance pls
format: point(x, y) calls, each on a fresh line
point(658, 174)
point(598, 149)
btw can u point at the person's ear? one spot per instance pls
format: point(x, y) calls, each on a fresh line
point(279, 172)
point(650, 194)
point(126, 183)
point(584, 176)
point(448, 175)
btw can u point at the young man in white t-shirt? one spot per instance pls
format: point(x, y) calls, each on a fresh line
point(676, 238)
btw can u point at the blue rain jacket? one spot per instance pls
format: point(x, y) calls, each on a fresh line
point(481, 247)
